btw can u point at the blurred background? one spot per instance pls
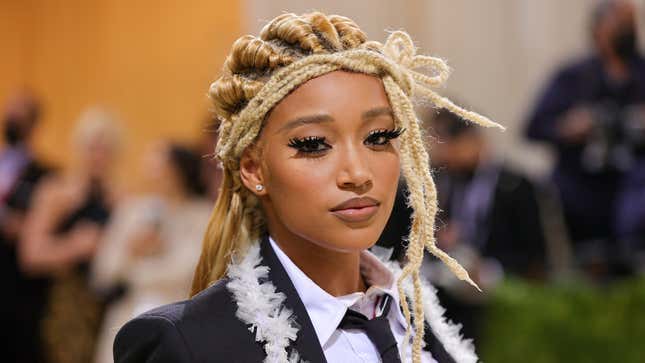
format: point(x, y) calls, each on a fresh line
point(106, 184)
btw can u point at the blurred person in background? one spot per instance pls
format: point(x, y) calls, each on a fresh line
point(61, 235)
point(630, 218)
point(20, 173)
point(484, 204)
point(587, 113)
point(489, 218)
point(153, 242)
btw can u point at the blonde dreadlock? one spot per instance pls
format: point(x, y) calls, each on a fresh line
point(260, 72)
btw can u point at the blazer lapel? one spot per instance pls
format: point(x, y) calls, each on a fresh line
point(436, 348)
point(306, 343)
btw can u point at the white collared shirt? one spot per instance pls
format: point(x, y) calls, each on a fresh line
point(326, 311)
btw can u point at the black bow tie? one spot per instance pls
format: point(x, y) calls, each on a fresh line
point(377, 329)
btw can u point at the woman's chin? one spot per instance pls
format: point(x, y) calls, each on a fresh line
point(350, 244)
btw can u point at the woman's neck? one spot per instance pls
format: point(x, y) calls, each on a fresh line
point(338, 273)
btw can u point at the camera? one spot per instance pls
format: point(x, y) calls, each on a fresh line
point(617, 139)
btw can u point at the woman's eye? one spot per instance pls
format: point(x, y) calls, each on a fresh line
point(383, 136)
point(310, 145)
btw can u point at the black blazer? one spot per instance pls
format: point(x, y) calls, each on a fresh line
point(21, 312)
point(205, 328)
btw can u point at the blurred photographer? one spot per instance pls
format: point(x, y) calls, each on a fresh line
point(630, 216)
point(589, 112)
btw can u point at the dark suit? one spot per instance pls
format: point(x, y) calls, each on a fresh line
point(205, 328)
point(22, 309)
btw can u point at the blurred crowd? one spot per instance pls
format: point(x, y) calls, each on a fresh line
point(585, 221)
point(80, 256)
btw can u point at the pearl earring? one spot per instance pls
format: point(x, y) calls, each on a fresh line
point(259, 187)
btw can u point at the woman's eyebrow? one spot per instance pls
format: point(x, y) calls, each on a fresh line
point(305, 120)
point(321, 118)
point(379, 111)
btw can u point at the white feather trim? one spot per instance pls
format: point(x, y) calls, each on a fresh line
point(261, 307)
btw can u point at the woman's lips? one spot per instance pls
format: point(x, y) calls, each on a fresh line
point(356, 214)
point(356, 209)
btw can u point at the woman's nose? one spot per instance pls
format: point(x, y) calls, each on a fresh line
point(354, 171)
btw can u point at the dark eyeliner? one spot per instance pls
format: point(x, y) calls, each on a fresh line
point(309, 144)
point(383, 136)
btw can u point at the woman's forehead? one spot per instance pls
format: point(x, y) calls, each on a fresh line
point(333, 95)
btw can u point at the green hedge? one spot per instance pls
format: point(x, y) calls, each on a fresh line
point(575, 323)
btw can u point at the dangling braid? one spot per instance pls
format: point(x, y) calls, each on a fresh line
point(260, 72)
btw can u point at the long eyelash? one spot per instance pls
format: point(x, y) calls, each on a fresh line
point(307, 142)
point(388, 134)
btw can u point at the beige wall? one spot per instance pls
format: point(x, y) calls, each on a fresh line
point(502, 51)
point(149, 61)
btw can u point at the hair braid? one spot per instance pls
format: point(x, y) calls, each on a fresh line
point(413, 165)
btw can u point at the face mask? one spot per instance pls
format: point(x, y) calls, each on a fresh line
point(624, 44)
point(13, 133)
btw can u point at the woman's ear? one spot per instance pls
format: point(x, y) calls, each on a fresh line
point(251, 171)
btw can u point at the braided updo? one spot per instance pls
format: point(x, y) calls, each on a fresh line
point(284, 40)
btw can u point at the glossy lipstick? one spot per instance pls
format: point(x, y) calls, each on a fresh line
point(356, 209)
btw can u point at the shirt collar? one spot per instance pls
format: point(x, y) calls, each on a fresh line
point(327, 311)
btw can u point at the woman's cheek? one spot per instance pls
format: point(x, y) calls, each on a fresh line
point(301, 179)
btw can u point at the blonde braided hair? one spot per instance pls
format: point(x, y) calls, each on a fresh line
point(260, 72)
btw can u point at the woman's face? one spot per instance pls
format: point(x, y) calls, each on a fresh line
point(98, 155)
point(329, 162)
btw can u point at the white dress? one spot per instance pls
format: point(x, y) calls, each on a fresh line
point(153, 280)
